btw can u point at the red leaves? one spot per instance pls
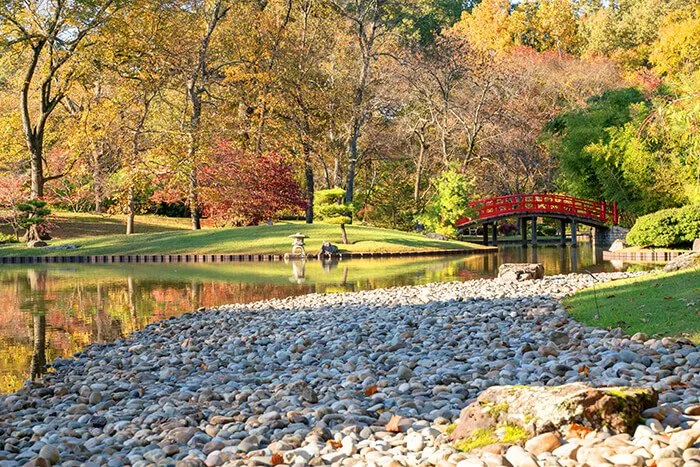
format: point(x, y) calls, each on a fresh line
point(370, 391)
point(244, 189)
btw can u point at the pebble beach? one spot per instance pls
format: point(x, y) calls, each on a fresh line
point(314, 380)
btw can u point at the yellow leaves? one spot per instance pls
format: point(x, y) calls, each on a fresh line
point(487, 27)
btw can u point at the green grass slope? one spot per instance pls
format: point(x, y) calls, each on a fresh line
point(659, 303)
point(262, 239)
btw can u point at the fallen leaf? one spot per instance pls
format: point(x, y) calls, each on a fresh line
point(334, 444)
point(610, 296)
point(668, 298)
point(393, 425)
point(370, 390)
point(584, 370)
point(577, 431)
point(277, 459)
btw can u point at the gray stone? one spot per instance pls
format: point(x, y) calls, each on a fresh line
point(50, 453)
point(618, 245)
point(512, 272)
point(684, 261)
point(36, 244)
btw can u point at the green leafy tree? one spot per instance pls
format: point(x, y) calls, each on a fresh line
point(329, 206)
point(570, 135)
point(32, 215)
point(453, 191)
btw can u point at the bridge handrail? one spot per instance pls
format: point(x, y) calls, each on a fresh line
point(545, 203)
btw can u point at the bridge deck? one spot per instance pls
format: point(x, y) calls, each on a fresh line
point(594, 213)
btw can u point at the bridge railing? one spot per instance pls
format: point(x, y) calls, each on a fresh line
point(546, 203)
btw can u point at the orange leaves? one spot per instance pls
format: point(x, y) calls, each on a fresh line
point(393, 425)
point(370, 391)
point(277, 459)
point(334, 444)
point(577, 431)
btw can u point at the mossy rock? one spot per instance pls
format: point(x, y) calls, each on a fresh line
point(540, 410)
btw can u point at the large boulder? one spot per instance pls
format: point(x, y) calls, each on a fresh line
point(36, 244)
point(618, 245)
point(328, 250)
point(684, 261)
point(437, 236)
point(512, 272)
point(531, 411)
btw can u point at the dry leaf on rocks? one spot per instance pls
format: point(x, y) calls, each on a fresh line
point(334, 444)
point(393, 425)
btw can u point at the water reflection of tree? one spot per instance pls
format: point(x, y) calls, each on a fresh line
point(36, 303)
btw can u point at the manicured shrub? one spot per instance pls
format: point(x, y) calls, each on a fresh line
point(669, 227)
point(7, 238)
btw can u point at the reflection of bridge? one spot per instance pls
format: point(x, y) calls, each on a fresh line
point(568, 210)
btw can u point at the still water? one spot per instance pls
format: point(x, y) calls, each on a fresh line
point(49, 311)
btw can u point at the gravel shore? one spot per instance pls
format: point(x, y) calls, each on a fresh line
point(313, 380)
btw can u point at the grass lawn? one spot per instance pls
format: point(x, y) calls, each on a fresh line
point(170, 236)
point(659, 303)
point(79, 225)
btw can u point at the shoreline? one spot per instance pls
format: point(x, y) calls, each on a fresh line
point(235, 384)
point(224, 258)
point(643, 256)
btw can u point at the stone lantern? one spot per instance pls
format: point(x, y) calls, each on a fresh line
point(298, 243)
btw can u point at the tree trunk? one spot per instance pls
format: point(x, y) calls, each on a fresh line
point(419, 168)
point(309, 175)
point(37, 170)
point(130, 211)
point(96, 178)
point(345, 234)
point(337, 177)
point(195, 119)
point(357, 119)
point(195, 212)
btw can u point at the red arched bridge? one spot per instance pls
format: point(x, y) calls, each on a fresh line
point(524, 207)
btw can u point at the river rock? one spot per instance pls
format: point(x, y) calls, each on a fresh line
point(50, 453)
point(546, 442)
point(541, 409)
point(36, 244)
point(512, 272)
point(684, 261)
point(618, 245)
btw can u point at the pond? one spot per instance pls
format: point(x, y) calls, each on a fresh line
point(51, 311)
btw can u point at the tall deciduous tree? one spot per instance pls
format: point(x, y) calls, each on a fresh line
point(48, 36)
point(371, 21)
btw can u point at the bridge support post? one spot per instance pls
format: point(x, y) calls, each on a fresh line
point(494, 234)
point(523, 230)
point(486, 234)
point(533, 229)
point(574, 239)
point(562, 226)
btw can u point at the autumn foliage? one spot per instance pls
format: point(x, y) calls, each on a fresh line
point(240, 188)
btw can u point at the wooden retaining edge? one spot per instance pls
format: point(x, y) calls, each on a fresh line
point(645, 256)
point(215, 258)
